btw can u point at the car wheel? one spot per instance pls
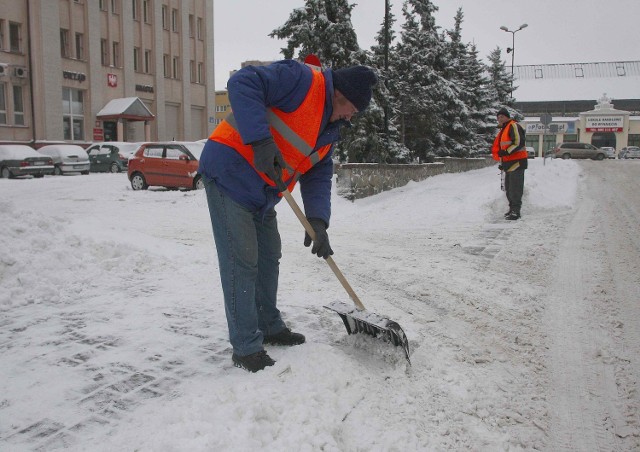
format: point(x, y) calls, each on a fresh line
point(138, 182)
point(114, 168)
point(600, 157)
point(566, 156)
point(84, 173)
point(38, 176)
point(5, 173)
point(57, 171)
point(198, 183)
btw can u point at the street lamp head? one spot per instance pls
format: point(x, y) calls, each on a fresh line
point(522, 26)
point(504, 28)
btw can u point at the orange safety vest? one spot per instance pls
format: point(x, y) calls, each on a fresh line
point(503, 142)
point(295, 134)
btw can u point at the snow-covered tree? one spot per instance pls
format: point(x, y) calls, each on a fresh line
point(499, 80)
point(375, 136)
point(323, 28)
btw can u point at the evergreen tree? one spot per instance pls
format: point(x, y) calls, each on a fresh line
point(323, 28)
point(371, 140)
point(478, 98)
point(459, 128)
point(499, 80)
point(420, 85)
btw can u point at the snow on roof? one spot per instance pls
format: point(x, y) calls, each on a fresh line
point(576, 89)
point(125, 106)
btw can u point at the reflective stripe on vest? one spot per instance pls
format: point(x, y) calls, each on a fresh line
point(295, 133)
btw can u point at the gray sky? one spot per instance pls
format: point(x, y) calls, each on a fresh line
point(559, 31)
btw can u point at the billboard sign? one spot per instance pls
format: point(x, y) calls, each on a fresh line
point(604, 123)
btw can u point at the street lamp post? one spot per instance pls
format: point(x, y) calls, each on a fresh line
point(512, 50)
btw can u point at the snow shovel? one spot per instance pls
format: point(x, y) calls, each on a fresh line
point(356, 319)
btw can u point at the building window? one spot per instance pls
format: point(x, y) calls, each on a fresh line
point(221, 108)
point(1, 34)
point(199, 28)
point(3, 104)
point(15, 37)
point(192, 71)
point(104, 52)
point(115, 6)
point(115, 52)
point(634, 139)
point(102, 4)
point(174, 20)
point(72, 114)
point(136, 59)
point(165, 17)
point(135, 7)
point(200, 73)
point(145, 11)
point(18, 106)
point(191, 26)
point(64, 43)
point(175, 68)
point(80, 46)
point(147, 61)
point(166, 65)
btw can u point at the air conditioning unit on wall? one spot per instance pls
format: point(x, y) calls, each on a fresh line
point(4, 69)
point(20, 72)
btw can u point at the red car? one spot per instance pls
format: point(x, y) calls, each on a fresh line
point(171, 164)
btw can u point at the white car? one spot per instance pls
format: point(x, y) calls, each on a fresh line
point(531, 152)
point(67, 158)
point(611, 152)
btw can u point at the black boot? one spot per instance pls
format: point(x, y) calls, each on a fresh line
point(513, 215)
point(284, 337)
point(254, 362)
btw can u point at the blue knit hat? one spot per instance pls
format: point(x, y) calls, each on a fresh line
point(355, 84)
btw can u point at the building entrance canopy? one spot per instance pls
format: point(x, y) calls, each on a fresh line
point(131, 108)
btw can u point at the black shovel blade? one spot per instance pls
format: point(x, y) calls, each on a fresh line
point(356, 321)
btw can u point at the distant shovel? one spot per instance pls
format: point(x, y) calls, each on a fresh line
point(356, 319)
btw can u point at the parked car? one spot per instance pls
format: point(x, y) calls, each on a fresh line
point(170, 164)
point(611, 152)
point(22, 160)
point(111, 156)
point(578, 151)
point(67, 158)
point(531, 152)
point(629, 152)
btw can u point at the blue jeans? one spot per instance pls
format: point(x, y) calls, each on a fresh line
point(249, 252)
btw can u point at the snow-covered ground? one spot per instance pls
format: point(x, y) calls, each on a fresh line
point(524, 335)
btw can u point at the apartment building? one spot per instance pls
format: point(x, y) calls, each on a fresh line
point(92, 70)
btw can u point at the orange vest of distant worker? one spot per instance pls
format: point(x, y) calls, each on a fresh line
point(295, 134)
point(503, 141)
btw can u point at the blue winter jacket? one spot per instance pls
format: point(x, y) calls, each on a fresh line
point(283, 85)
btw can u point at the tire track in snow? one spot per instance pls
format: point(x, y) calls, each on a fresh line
point(581, 385)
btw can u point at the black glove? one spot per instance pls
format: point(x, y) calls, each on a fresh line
point(321, 245)
point(500, 167)
point(502, 153)
point(265, 156)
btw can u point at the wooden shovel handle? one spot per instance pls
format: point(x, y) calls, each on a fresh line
point(307, 227)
